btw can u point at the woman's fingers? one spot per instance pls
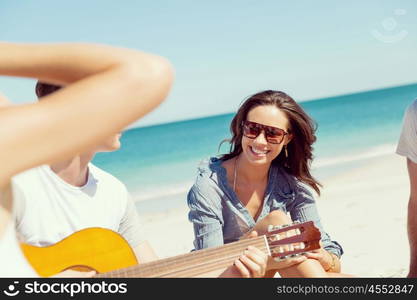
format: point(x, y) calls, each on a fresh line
point(256, 261)
point(254, 269)
point(286, 263)
point(252, 263)
point(250, 234)
point(313, 255)
point(253, 234)
point(242, 269)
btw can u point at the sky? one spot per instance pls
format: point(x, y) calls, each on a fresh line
point(224, 51)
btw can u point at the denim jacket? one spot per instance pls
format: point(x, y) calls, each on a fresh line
point(219, 217)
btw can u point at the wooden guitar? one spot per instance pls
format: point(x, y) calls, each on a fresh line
point(110, 255)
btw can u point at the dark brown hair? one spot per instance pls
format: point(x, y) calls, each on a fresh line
point(43, 89)
point(302, 128)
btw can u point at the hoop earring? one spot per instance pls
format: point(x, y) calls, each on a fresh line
point(286, 165)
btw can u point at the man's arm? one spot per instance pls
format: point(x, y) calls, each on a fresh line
point(131, 229)
point(102, 83)
point(3, 100)
point(412, 217)
point(145, 253)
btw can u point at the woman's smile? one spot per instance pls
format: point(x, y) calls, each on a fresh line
point(257, 152)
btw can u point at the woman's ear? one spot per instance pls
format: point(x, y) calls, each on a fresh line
point(287, 139)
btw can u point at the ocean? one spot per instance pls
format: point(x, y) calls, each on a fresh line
point(158, 163)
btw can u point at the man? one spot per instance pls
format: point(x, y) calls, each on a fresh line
point(57, 200)
point(407, 146)
point(123, 84)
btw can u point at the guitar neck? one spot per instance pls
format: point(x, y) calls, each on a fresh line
point(194, 263)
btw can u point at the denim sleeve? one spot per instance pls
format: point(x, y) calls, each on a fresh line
point(206, 218)
point(304, 209)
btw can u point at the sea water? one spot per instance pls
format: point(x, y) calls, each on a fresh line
point(158, 163)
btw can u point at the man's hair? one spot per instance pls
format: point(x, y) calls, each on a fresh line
point(44, 89)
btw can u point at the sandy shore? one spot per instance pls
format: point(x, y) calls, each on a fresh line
point(364, 209)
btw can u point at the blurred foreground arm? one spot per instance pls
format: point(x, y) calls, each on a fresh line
point(3, 100)
point(107, 88)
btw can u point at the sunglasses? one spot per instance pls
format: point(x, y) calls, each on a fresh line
point(273, 135)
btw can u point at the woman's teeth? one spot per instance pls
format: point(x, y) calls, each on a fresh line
point(259, 152)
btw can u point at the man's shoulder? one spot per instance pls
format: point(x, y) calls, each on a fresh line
point(28, 176)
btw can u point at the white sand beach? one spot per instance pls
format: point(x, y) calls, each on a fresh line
point(364, 209)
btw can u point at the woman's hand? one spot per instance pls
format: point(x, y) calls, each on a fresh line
point(275, 264)
point(324, 257)
point(252, 263)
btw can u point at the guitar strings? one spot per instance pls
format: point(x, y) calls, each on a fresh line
point(181, 261)
point(202, 260)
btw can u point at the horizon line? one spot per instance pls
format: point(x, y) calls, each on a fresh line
point(301, 101)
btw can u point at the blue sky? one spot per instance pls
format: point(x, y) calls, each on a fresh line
point(224, 51)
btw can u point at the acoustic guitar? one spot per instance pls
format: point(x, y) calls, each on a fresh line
point(110, 255)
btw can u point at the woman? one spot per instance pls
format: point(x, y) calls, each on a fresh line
point(106, 89)
point(264, 176)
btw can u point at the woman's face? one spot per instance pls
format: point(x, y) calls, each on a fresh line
point(259, 151)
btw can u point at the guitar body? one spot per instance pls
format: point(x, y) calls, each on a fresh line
point(98, 249)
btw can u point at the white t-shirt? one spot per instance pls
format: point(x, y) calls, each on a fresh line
point(48, 209)
point(407, 145)
point(12, 261)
